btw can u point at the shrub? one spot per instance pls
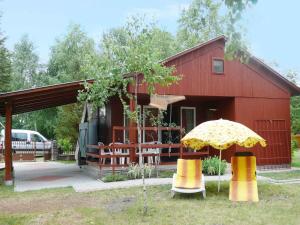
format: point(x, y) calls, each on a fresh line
point(114, 177)
point(135, 170)
point(65, 145)
point(294, 146)
point(211, 166)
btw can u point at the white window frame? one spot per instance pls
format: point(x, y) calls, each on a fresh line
point(185, 107)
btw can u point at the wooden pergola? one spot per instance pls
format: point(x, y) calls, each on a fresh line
point(29, 100)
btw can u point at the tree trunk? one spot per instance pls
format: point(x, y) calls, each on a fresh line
point(141, 163)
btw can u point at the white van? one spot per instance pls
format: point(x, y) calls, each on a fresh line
point(26, 140)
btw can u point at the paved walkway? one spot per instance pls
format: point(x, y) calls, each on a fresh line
point(41, 175)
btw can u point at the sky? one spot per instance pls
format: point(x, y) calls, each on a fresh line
point(272, 27)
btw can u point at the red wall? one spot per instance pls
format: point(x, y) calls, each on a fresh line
point(247, 80)
point(251, 111)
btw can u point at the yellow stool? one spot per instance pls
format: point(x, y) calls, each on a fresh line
point(243, 184)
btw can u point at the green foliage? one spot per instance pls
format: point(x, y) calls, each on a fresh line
point(24, 64)
point(206, 19)
point(211, 166)
point(294, 147)
point(296, 159)
point(65, 145)
point(68, 119)
point(200, 22)
point(69, 58)
point(71, 55)
point(295, 104)
point(295, 114)
point(132, 49)
point(5, 67)
point(114, 177)
point(28, 73)
point(238, 6)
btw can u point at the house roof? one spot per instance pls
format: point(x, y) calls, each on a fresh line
point(200, 45)
point(293, 88)
point(42, 97)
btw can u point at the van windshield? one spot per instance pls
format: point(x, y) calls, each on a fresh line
point(36, 138)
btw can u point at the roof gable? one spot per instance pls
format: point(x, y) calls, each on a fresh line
point(276, 76)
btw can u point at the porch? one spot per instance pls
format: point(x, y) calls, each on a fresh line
point(117, 155)
point(111, 138)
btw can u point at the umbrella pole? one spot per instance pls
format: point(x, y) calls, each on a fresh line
point(219, 171)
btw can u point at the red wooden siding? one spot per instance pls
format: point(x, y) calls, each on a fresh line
point(238, 79)
point(262, 115)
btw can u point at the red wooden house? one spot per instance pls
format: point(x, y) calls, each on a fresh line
point(251, 93)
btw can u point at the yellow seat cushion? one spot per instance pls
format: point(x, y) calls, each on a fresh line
point(189, 173)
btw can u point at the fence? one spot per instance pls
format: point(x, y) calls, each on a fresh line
point(27, 151)
point(152, 152)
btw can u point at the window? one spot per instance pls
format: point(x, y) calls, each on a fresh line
point(19, 137)
point(36, 138)
point(218, 66)
point(188, 118)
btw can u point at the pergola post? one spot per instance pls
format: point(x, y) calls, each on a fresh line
point(132, 132)
point(8, 178)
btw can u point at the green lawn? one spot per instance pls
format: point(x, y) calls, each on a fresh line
point(295, 174)
point(296, 159)
point(279, 204)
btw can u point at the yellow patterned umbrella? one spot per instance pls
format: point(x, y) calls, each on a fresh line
point(221, 134)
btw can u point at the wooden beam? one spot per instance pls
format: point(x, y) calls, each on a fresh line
point(43, 106)
point(42, 98)
point(8, 178)
point(49, 102)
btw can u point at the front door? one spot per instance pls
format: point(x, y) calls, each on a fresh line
point(188, 118)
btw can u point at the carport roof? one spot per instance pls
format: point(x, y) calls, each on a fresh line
point(41, 98)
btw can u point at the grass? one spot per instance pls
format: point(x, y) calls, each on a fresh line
point(279, 204)
point(296, 159)
point(295, 174)
point(114, 177)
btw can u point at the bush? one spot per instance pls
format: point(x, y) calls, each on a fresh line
point(65, 145)
point(211, 166)
point(114, 177)
point(294, 146)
